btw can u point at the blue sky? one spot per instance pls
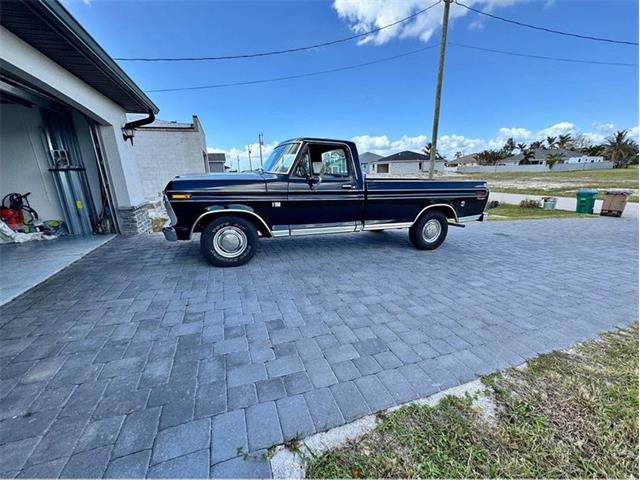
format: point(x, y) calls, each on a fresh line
point(388, 106)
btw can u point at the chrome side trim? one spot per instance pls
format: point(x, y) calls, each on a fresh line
point(470, 218)
point(230, 210)
point(386, 226)
point(455, 215)
point(321, 230)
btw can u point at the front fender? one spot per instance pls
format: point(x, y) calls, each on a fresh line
point(214, 211)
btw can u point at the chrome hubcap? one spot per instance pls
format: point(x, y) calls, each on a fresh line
point(229, 242)
point(431, 230)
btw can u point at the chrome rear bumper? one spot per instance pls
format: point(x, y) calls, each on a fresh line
point(473, 218)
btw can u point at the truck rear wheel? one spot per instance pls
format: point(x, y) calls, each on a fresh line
point(229, 241)
point(429, 231)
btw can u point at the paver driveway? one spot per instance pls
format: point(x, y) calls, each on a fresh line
point(141, 359)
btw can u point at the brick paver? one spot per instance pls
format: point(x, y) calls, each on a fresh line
point(142, 360)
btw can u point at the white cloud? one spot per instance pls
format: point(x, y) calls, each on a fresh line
point(366, 15)
point(448, 144)
point(235, 154)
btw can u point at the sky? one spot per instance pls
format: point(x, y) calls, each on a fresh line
point(388, 106)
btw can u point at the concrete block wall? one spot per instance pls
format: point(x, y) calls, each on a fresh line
point(161, 154)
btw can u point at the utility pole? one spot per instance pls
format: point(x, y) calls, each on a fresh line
point(260, 143)
point(238, 160)
point(249, 152)
point(436, 107)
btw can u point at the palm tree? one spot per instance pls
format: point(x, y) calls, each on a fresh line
point(509, 146)
point(565, 141)
point(620, 149)
point(427, 151)
point(593, 150)
point(536, 145)
point(551, 142)
point(526, 153)
point(553, 158)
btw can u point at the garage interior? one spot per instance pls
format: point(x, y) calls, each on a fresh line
point(52, 152)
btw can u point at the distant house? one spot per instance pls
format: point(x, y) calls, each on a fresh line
point(165, 149)
point(216, 162)
point(406, 162)
point(539, 156)
point(366, 159)
point(585, 159)
point(464, 161)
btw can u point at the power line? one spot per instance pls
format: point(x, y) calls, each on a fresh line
point(543, 57)
point(544, 29)
point(291, 77)
point(278, 52)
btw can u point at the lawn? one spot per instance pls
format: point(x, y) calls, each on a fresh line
point(560, 184)
point(567, 414)
point(515, 212)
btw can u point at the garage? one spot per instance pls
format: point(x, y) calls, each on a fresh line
point(69, 175)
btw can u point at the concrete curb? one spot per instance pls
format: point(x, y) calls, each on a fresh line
point(288, 464)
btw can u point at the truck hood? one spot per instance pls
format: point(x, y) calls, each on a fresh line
point(229, 182)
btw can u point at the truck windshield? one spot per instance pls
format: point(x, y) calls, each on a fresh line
point(281, 158)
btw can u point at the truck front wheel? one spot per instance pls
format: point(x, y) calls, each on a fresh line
point(429, 231)
point(229, 241)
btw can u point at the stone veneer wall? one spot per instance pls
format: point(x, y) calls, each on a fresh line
point(134, 220)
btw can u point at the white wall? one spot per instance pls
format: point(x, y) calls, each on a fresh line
point(409, 167)
point(24, 61)
point(24, 161)
point(163, 154)
point(558, 167)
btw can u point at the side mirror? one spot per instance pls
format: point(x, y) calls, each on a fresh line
point(317, 168)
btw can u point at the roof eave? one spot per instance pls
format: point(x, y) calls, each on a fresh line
point(75, 33)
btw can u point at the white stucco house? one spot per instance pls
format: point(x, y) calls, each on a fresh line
point(585, 159)
point(405, 162)
point(165, 149)
point(64, 134)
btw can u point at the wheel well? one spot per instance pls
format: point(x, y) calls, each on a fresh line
point(447, 210)
point(208, 217)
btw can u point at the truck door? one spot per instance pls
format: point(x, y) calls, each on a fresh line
point(332, 202)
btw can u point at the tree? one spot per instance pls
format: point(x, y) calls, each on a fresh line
point(509, 146)
point(427, 151)
point(565, 141)
point(458, 155)
point(489, 157)
point(620, 150)
point(526, 153)
point(536, 145)
point(551, 142)
point(553, 158)
point(593, 150)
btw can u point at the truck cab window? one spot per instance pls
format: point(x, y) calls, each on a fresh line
point(335, 163)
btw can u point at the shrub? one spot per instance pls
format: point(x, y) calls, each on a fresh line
point(530, 203)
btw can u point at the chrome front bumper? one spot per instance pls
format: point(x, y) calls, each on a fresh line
point(169, 232)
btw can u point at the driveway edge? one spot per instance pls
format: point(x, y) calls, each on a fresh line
point(288, 464)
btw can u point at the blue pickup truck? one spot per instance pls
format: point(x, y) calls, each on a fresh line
point(312, 186)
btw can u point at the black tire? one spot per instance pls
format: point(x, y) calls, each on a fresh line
point(418, 236)
point(239, 232)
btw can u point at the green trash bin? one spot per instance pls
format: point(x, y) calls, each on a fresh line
point(586, 199)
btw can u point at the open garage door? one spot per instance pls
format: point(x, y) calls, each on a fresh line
point(50, 150)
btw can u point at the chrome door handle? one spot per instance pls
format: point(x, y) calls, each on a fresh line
point(347, 186)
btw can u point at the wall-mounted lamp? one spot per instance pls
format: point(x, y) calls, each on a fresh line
point(128, 131)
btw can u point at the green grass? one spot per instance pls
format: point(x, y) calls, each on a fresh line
point(560, 184)
point(567, 414)
point(515, 212)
